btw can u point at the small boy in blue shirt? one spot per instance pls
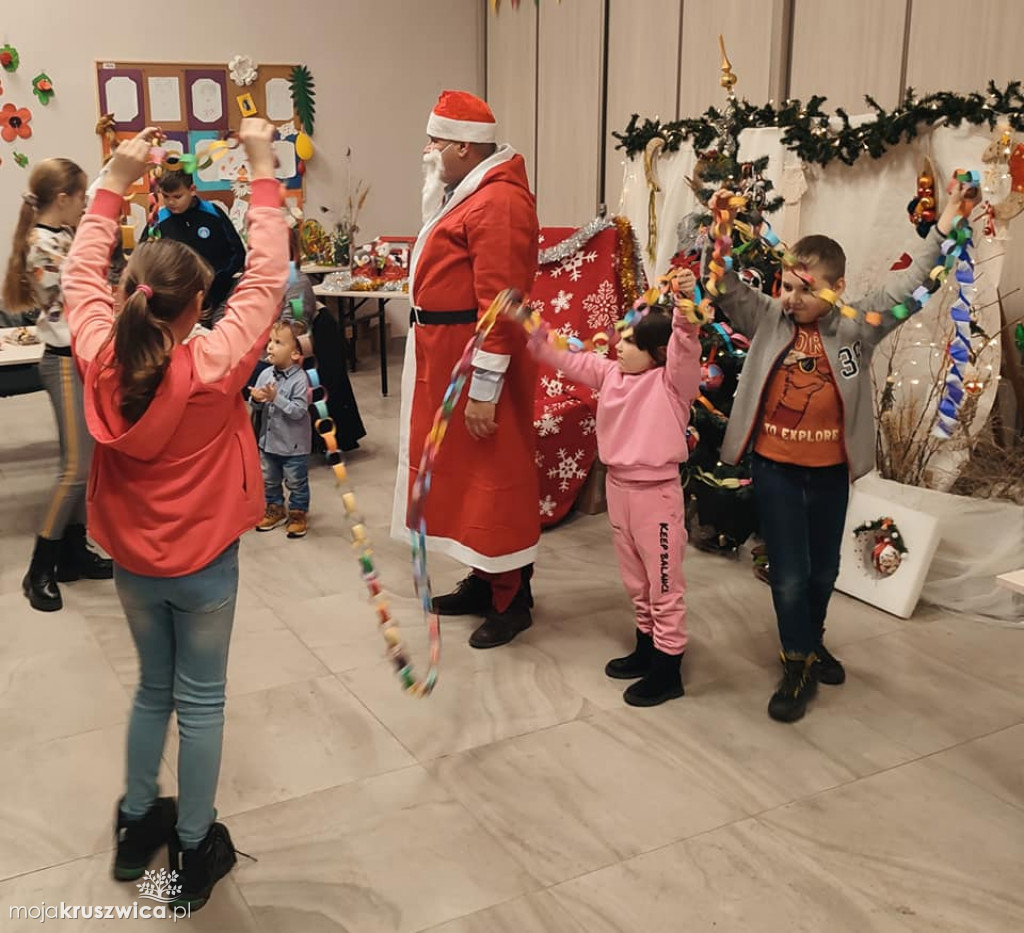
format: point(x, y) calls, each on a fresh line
point(281, 397)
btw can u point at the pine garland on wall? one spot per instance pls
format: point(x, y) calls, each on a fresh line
point(809, 130)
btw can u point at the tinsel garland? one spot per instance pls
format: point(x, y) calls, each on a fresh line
point(628, 265)
point(808, 130)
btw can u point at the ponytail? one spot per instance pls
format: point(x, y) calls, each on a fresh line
point(161, 282)
point(142, 348)
point(19, 295)
point(49, 178)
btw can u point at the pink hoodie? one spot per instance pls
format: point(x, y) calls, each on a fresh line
point(170, 492)
point(641, 418)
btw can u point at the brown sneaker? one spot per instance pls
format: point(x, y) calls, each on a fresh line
point(272, 518)
point(297, 524)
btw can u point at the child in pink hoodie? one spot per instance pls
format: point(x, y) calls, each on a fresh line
point(175, 481)
point(642, 415)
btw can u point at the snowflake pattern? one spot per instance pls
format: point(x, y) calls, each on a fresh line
point(561, 301)
point(547, 507)
point(556, 385)
point(568, 468)
point(588, 425)
point(159, 885)
point(573, 265)
point(602, 307)
point(548, 424)
point(538, 459)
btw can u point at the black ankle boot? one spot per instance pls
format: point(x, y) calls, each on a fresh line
point(472, 597)
point(662, 682)
point(201, 868)
point(636, 664)
point(138, 840)
point(797, 687)
point(40, 583)
point(828, 669)
point(78, 561)
point(499, 628)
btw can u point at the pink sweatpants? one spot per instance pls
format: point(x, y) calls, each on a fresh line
point(650, 538)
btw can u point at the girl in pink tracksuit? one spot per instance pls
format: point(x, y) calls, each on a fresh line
point(642, 415)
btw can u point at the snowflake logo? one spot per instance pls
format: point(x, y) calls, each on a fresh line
point(556, 385)
point(538, 459)
point(588, 425)
point(574, 265)
point(561, 301)
point(568, 468)
point(602, 307)
point(160, 886)
point(547, 506)
point(548, 424)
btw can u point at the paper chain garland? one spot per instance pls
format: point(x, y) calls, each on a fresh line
point(955, 249)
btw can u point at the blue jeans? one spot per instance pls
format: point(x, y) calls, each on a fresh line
point(181, 627)
point(294, 471)
point(802, 512)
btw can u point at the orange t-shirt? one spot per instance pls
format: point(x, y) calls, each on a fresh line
point(801, 414)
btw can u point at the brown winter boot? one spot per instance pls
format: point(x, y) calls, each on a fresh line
point(272, 518)
point(297, 524)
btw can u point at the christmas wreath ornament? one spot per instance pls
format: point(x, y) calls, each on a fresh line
point(9, 58)
point(888, 549)
point(303, 90)
point(242, 70)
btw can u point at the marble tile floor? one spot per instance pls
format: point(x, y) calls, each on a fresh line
point(524, 795)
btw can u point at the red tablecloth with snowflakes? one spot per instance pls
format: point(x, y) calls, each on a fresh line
point(587, 279)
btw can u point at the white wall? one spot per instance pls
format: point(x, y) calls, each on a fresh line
point(378, 69)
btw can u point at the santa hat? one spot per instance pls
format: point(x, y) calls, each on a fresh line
point(463, 118)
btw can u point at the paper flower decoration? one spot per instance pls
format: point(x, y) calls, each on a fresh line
point(21, 159)
point(9, 58)
point(242, 70)
point(14, 123)
point(42, 87)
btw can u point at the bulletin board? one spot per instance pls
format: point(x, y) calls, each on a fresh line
point(196, 104)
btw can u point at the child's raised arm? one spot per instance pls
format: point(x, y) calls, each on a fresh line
point(682, 365)
point(588, 368)
point(228, 354)
point(88, 303)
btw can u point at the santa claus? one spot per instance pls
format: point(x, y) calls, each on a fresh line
point(479, 236)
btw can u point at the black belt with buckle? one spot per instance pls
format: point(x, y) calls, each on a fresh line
point(424, 318)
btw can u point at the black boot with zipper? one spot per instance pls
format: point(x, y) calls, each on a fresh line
point(77, 561)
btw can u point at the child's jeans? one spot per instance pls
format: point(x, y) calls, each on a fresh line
point(181, 627)
point(295, 472)
point(802, 512)
point(650, 538)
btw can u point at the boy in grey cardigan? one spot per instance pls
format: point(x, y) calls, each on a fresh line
point(281, 396)
point(804, 406)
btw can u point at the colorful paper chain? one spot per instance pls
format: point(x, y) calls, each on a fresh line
point(398, 652)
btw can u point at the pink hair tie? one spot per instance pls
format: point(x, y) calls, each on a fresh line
point(146, 290)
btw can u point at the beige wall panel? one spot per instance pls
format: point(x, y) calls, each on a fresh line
point(747, 28)
point(643, 57)
point(996, 29)
point(568, 110)
point(512, 78)
point(845, 50)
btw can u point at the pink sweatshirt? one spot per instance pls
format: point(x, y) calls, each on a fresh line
point(170, 492)
point(641, 418)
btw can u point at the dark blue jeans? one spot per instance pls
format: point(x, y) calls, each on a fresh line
point(295, 473)
point(802, 512)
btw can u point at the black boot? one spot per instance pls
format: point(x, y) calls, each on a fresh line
point(662, 682)
point(828, 669)
point(201, 868)
point(636, 664)
point(138, 840)
point(500, 628)
point(40, 583)
point(797, 687)
point(78, 561)
point(472, 597)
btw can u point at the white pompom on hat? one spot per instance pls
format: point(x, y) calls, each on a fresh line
point(463, 118)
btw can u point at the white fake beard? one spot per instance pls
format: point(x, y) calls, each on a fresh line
point(433, 186)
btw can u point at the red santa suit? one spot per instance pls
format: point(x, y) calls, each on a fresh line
point(482, 507)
